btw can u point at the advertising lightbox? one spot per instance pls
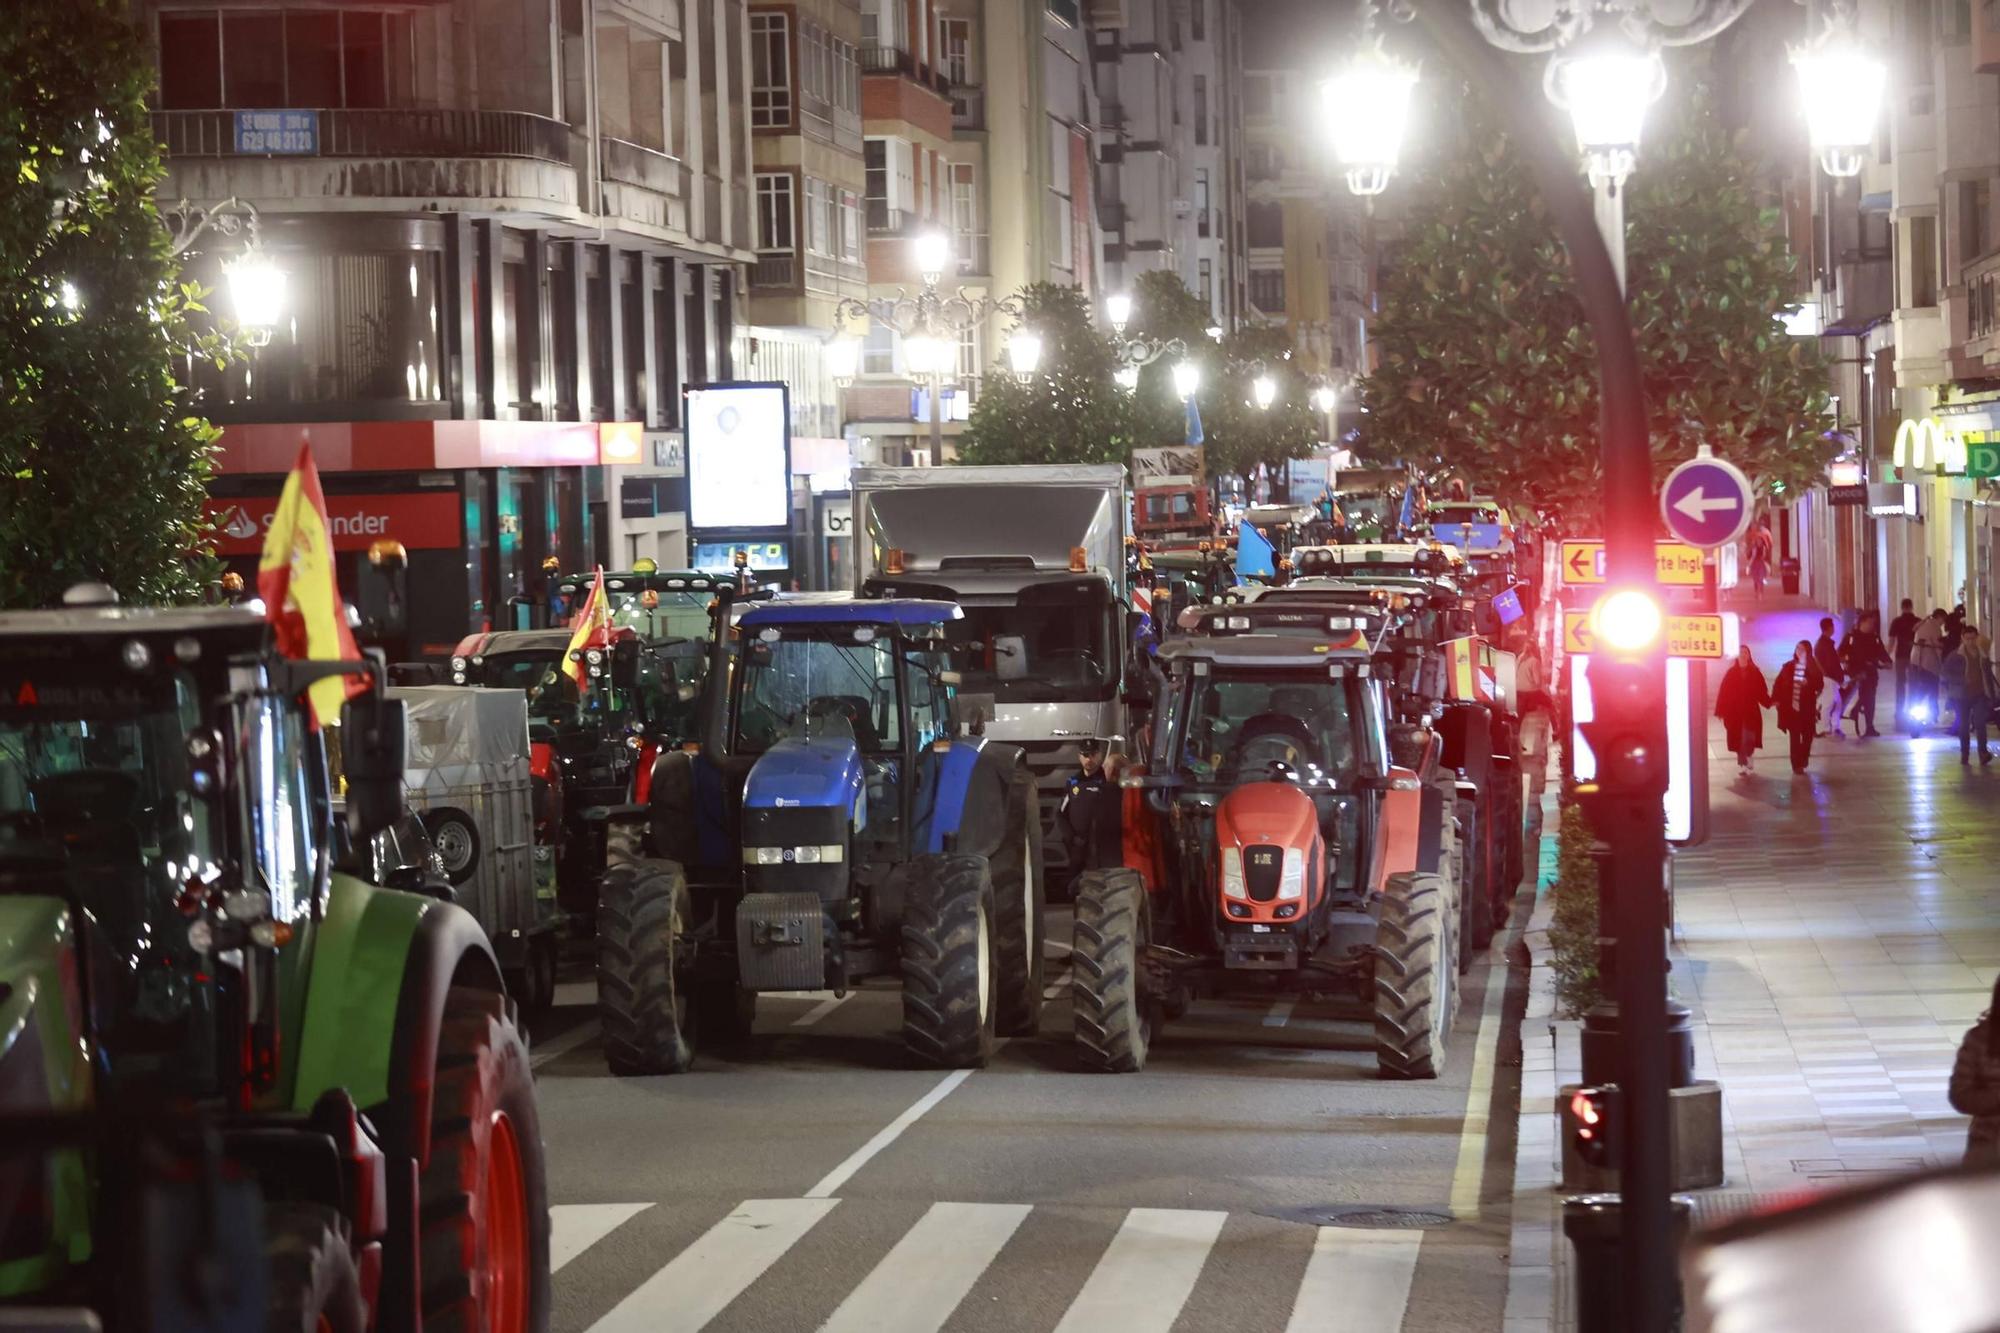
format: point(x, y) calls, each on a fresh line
point(738, 457)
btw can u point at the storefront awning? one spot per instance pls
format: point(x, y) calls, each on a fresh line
point(408, 446)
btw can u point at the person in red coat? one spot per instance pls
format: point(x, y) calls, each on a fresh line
point(1740, 703)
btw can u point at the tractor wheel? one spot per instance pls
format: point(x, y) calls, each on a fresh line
point(1114, 1011)
point(1475, 882)
point(1415, 982)
point(456, 838)
point(950, 961)
point(314, 1285)
point(642, 966)
point(483, 1247)
point(1018, 897)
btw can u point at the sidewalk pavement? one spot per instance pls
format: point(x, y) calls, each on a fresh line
point(1835, 936)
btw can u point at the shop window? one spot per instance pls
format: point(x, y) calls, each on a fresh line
point(190, 61)
point(320, 58)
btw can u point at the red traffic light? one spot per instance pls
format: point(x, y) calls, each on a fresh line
point(1593, 1123)
point(1628, 620)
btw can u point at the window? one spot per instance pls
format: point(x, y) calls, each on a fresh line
point(281, 808)
point(1922, 290)
point(1955, 22)
point(1973, 205)
point(1206, 287)
point(774, 212)
point(1201, 201)
point(822, 218)
point(770, 71)
point(1918, 18)
point(296, 58)
point(878, 350)
point(250, 77)
point(1264, 220)
point(1201, 109)
point(956, 41)
point(965, 233)
point(1198, 21)
point(968, 354)
point(1267, 290)
point(850, 226)
point(875, 167)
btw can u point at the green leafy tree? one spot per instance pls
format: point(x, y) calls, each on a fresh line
point(1072, 411)
point(1487, 367)
point(103, 464)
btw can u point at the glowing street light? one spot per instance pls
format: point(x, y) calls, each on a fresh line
point(927, 355)
point(843, 358)
point(933, 253)
point(1187, 378)
point(1367, 108)
point(1842, 87)
point(1118, 309)
point(257, 290)
point(1126, 377)
point(1326, 398)
point(1024, 353)
point(1264, 390)
point(1606, 81)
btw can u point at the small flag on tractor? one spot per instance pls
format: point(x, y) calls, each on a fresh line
point(593, 630)
point(295, 577)
point(1255, 557)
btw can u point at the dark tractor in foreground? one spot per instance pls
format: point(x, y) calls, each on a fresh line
point(833, 826)
point(1287, 840)
point(239, 1086)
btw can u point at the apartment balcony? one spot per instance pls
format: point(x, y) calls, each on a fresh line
point(895, 60)
point(968, 108)
point(775, 272)
point(820, 119)
point(886, 221)
point(1974, 322)
point(405, 154)
point(828, 276)
point(646, 186)
point(895, 87)
point(1863, 293)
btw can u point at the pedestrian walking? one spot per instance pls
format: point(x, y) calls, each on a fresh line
point(1862, 656)
point(1975, 1086)
point(1757, 548)
point(1740, 703)
point(1954, 629)
point(1926, 662)
point(1796, 692)
point(1826, 655)
point(1902, 640)
point(1975, 694)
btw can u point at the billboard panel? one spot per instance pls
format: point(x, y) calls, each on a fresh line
point(738, 457)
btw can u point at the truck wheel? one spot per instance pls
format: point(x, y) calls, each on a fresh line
point(484, 1244)
point(1475, 913)
point(456, 838)
point(1114, 1011)
point(950, 961)
point(314, 1285)
point(1018, 897)
point(642, 967)
point(1414, 976)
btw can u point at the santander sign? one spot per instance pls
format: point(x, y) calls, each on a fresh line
point(426, 520)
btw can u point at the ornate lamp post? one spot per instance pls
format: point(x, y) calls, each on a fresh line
point(929, 324)
point(1841, 85)
point(1367, 108)
point(1136, 353)
point(256, 284)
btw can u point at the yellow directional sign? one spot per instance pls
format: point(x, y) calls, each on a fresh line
point(1687, 636)
point(1678, 563)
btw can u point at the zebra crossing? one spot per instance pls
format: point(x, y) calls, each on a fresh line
point(1150, 1271)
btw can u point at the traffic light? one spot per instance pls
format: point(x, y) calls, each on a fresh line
point(1593, 1121)
point(1627, 730)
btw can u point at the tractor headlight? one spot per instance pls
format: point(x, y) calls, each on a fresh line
point(812, 854)
point(458, 678)
point(593, 656)
point(458, 666)
point(1232, 873)
point(764, 856)
point(1236, 622)
point(1292, 876)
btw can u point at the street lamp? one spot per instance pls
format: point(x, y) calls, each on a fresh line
point(1367, 108)
point(256, 285)
point(1264, 390)
point(1606, 81)
point(1024, 353)
point(1118, 310)
point(843, 358)
point(1842, 88)
point(1187, 379)
point(1326, 398)
point(929, 324)
point(1126, 377)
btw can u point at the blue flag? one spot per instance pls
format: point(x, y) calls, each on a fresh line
point(1254, 556)
point(1194, 435)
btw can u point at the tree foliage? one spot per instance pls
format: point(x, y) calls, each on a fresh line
point(103, 465)
point(1074, 412)
point(1486, 364)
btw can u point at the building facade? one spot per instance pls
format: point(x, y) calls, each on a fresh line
point(511, 232)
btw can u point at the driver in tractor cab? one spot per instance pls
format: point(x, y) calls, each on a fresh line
point(1088, 815)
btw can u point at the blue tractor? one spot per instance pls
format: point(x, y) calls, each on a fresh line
point(833, 825)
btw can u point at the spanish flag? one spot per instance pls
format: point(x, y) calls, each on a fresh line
point(593, 630)
point(301, 596)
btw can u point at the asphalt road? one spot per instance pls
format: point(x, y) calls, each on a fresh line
point(818, 1179)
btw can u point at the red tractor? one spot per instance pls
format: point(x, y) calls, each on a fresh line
point(1282, 838)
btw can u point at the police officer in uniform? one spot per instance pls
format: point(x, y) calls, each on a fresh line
point(1088, 816)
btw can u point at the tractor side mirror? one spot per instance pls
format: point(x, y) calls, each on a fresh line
point(1408, 744)
point(371, 747)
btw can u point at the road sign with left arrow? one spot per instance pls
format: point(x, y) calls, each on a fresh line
point(1675, 563)
point(1707, 502)
point(1687, 636)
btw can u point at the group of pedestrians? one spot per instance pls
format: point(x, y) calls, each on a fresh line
point(1940, 663)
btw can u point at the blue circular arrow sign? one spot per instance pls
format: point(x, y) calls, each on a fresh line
point(1706, 502)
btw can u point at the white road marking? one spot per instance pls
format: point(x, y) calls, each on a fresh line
point(1471, 1169)
point(820, 1010)
point(1281, 1011)
point(921, 1281)
point(887, 1135)
point(544, 1052)
point(1357, 1280)
point(1146, 1275)
point(700, 1281)
point(575, 1227)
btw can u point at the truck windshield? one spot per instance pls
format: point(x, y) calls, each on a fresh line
point(817, 684)
point(1036, 652)
point(1237, 729)
point(680, 615)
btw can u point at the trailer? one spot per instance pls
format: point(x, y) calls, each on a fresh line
point(1035, 556)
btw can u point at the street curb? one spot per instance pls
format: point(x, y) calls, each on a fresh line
point(1537, 1267)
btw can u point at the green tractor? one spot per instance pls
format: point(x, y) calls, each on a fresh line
point(239, 1087)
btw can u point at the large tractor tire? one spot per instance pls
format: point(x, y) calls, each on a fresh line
point(1415, 977)
point(314, 1285)
point(1113, 1007)
point(1476, 880)
point(1018, 899)
point(483, 1247)
point(951, 965)
point(643, 954)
